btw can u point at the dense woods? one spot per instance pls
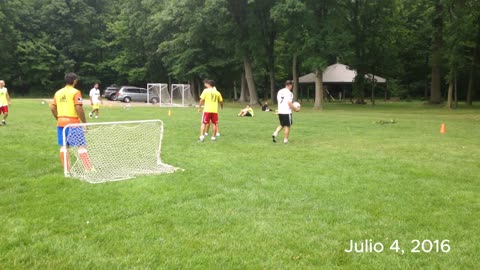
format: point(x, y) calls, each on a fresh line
point(426, 49)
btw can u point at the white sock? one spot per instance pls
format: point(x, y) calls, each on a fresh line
point(202, 137)
point(218, 134)
point(275, 134)
point(285, 140)
point(206, 133)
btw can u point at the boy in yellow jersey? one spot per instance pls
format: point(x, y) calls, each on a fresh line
point(248, 111)
point(67, 108)
point(4, 101)
point(210, 97)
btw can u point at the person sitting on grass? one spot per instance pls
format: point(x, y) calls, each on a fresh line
point(248, 111)
point(265, 108)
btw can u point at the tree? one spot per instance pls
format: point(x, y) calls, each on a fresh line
point(324, 41)
point(290, 15)
point(372, 26)
point(436, 53)
point(242, 19)
point(459, 41)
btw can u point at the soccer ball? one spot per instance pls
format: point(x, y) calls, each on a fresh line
point(296, 105)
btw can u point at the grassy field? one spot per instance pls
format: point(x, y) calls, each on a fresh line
point(246, 203)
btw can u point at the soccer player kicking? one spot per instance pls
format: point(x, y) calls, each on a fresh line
point(210, 97)
point(4, 101)
point(67, 108)
point(285, 107)
point(95, 101)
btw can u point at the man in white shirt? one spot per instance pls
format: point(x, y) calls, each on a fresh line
point(95, 100)
point(285, 107)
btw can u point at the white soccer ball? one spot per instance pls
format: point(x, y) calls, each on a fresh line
point(296, 105)
point(43, 102)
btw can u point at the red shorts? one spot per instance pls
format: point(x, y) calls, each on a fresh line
point(208, 116)
point(4, 109)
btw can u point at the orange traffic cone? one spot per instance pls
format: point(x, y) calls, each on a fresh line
point(443, 129)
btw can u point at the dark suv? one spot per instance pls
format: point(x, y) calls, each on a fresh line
point(132, 93)
point(110, 91)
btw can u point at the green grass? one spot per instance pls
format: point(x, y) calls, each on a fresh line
point(246, 203)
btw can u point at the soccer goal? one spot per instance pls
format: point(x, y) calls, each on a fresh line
point(158, 93)
point(102, 152)
point(181, 95)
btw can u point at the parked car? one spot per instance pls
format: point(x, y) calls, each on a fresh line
point(110, 91)
point(132, 93)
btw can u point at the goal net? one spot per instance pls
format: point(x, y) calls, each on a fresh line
point(101, 152)
point(182, 95)
point(158, 93)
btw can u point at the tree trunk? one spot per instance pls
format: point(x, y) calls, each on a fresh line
point(426, 85)
point(271, 67)
point(272, 85)
point(386, 92)
point(450, 94)
point(250, 81)
point(200, 87)
point(319, 102)
point(435, 87)
point(243, 89)
point(193, 89)
point(372, 97)
point(295, 77)
point(235, 94)
point(455, 92)
point(359, 87)
point(471, 79)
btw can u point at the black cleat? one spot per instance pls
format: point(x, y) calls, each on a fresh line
point(274, 138)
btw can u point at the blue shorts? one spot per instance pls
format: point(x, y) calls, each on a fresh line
point(77, 136)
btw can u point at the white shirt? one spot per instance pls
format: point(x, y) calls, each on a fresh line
point(283, 97)
point(95, 95)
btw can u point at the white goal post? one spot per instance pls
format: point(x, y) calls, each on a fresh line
point(181, 95)
point(112, 151)
point(158, 92)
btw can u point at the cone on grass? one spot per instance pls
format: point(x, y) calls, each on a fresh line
point(169, 113)
point(443, 129)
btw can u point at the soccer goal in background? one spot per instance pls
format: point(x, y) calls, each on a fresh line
point(159, 91)
point(181, 95)
point(102, 152)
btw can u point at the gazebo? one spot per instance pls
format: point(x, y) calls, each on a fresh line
point(337, 77)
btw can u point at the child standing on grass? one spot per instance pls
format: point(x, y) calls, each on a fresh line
point(4, 101)
point(210, 97)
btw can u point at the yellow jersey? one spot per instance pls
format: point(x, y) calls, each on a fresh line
point(3, 97)
point(250, 110)
point(66, 99)
point(212, 97)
